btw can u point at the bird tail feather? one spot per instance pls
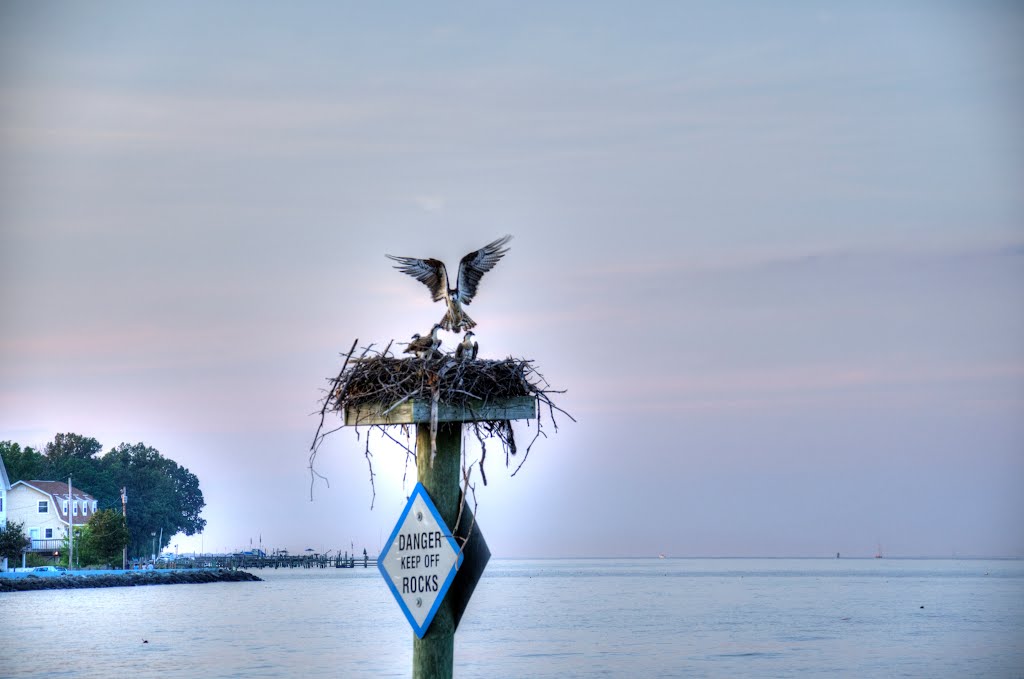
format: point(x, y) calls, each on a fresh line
point(450, 324)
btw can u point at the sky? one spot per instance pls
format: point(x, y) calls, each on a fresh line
point(774, 257)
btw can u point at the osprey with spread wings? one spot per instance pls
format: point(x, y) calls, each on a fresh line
point(432, 273)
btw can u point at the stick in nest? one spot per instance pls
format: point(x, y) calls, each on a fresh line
point(379, 377)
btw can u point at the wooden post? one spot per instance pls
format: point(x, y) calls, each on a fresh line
point(433, 655)
point(440, 473)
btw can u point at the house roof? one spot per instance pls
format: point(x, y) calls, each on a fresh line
point(58, 491)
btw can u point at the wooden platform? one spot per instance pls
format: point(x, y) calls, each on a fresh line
point(417, 411)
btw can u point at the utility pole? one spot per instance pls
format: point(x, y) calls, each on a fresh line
point(124, 513)
point(71, 527)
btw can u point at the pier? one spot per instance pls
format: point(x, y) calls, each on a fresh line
point(246, 561)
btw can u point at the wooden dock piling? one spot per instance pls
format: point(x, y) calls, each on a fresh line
point(433, 655)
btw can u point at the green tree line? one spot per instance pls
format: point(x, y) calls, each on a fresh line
point(161, 493)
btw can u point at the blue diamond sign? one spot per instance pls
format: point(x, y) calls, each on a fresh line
point(420, 560)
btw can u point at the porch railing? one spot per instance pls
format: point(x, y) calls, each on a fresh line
point(46, 545)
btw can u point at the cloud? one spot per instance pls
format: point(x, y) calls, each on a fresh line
point(109, 120)
point(429, 203)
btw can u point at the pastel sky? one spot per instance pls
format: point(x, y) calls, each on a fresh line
point(774, 255)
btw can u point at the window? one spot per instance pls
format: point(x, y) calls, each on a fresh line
point(85, 508)
point(49, 533)
point(75, 507)
point(1, 503)
point(94, 506)
point(64, 504)
point(44, 507)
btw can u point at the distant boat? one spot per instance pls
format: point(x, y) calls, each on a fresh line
point(878, 553)
point(661, 556)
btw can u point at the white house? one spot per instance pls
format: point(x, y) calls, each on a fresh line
point(5, 485)
point(48, 511)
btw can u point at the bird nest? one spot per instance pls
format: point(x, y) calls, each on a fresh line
point(373, 386)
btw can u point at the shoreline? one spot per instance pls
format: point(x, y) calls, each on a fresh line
point(30, 582)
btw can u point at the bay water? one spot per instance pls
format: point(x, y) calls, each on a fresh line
point(547, 618)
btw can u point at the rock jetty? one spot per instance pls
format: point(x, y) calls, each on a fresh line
point(126, 579)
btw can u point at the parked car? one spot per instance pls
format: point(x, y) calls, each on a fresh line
point(49, 571)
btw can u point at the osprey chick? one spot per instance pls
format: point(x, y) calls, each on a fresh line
point(467, 347)
point(432, 273)
point(423, 347)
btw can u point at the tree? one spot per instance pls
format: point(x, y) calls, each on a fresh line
point(84, 554)
point(76, 456)
point(107, 536)
point(100, 541)
point(67, 455)
point(161, 495)
point(72, 446)
point(22, 463)
point(13, 541)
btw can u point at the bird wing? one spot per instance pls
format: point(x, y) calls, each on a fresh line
point(474, 265)
point(430, 272)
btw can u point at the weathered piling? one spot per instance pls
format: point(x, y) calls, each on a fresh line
point(433, 655)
